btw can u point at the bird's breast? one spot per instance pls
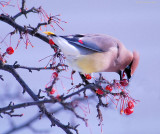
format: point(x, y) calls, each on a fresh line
point(96, 62)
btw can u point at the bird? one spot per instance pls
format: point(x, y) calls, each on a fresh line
point(91, 53)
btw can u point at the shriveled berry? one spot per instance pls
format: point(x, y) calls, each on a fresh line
point(88, 77)
point(10, 50)
point(51, 42)
point(128, 111)
point(99, 91)
point(131, 104)
point(108, 87)
point(124, 82)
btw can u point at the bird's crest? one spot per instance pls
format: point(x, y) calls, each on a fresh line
point(134, 62)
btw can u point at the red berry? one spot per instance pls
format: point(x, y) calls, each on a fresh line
point(10, 50)
point(99, 91)
point(108, 87)
point(131, 104)
point(128, 111)
point(51, 42)
point(55, 74)
point(88, 77)
point(52, 91)
point(124, 82)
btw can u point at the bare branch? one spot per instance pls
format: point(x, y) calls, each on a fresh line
point(33, 119)
point(16, 66)
point(53, 120)
point(26, 104)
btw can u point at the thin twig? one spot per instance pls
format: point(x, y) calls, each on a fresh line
point(20, 28)
point(33, 10)
point(79, 91)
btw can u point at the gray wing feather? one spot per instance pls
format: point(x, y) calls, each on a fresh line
point(92, 42)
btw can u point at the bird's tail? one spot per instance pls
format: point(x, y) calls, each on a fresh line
point(63, 44)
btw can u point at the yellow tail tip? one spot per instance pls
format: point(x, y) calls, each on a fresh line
point(48, 33)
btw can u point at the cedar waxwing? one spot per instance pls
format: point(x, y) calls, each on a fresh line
point(88, 53)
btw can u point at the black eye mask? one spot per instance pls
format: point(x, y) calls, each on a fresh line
point(128, 70)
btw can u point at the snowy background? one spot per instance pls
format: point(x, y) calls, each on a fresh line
point(136, 23)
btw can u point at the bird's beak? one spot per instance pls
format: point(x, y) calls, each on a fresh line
point(128, 71)
point(49, 33)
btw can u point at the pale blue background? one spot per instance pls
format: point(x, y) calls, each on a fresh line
point(136, 23)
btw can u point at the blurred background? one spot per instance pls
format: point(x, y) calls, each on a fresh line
point(136, 23)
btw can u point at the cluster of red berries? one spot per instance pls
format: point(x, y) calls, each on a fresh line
point(123, 82)
point(108, 88)
point(129, 109)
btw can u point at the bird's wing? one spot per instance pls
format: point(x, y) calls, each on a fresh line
point(94, 42)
